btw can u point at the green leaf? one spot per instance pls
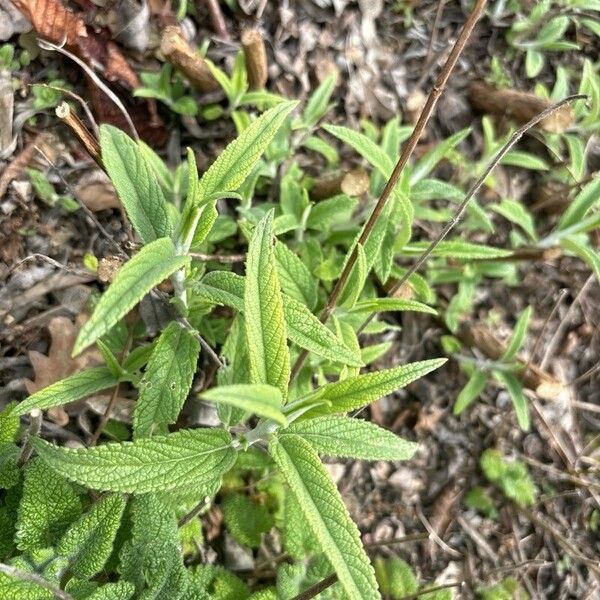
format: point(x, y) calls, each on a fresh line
point(333, 210)
point(308, 332)
point(519, 334)
point(395, 577)
point(262, 400)
point(136, 185)
point(511, 476)
point(516, 158)
point(75, 387)
point(151, 265)
point(167, 381)
point(470, 392)
point(517, 214)
point(356, 280)
point(351, 438)
point(234, 164)
point(295, 279)
point(122, 590)
point(188, 458)
point(427, 163)
point(584, 252)
point(312, 142)
point(151, 559)
point(318, 103)
point(368, 149)
point(89, 542)
point(585, 200)
point(355, 392)
point(391, 305)
point(515, 391)
point(326, 515)
point(303, 328)
point(245, 520)
point(263, 311)
point(534, 63)
point(48, 505)
point(459, 250)
point(434, 189)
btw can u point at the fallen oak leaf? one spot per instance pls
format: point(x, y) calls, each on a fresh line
point(58, 363)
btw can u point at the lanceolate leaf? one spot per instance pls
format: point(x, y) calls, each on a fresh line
point(303, 328)
point(165, 386)
point(262, 400)
point(308, 332)
point(353, 438)
point(228, 172)
point(588, 197)
point(136, 184)
point(459, 250)
point(89, 542)
point(263, 311)
point(470, 392)
point(391, 304)
point(75, 387)
point(153, 263)
point(189, 458)
point(519, 334)
point(361, 390)
point(515, 390)
point(368, 149)
point(326, 515)
point(296, 280)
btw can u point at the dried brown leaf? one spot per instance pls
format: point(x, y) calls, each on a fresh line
point(58, 363)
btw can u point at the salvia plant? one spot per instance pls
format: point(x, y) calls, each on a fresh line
point(271, 422)
point(287, 385)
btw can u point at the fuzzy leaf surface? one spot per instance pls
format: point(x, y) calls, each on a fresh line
point(352, 438)
point(48, 505)
point(578, 208)
point(262, 400)
point(326, 515)
point(136, 184)
point(151, 559)
point(355, 392)
point(234, 164)
point(89, 542)
point(296, 280)
point(263, 311)
point(196, 457)
point(151, 265)
point(167, 382)
point(391, 304)
point(303, 328)
point(72, 388)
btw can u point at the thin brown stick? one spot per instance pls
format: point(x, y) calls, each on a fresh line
point(316, 589)
point(218, 21)
point(106, 416)
point(472, 191)
point(11, 571)
point(407, 150)
point(80, 131)
point(113, 398)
